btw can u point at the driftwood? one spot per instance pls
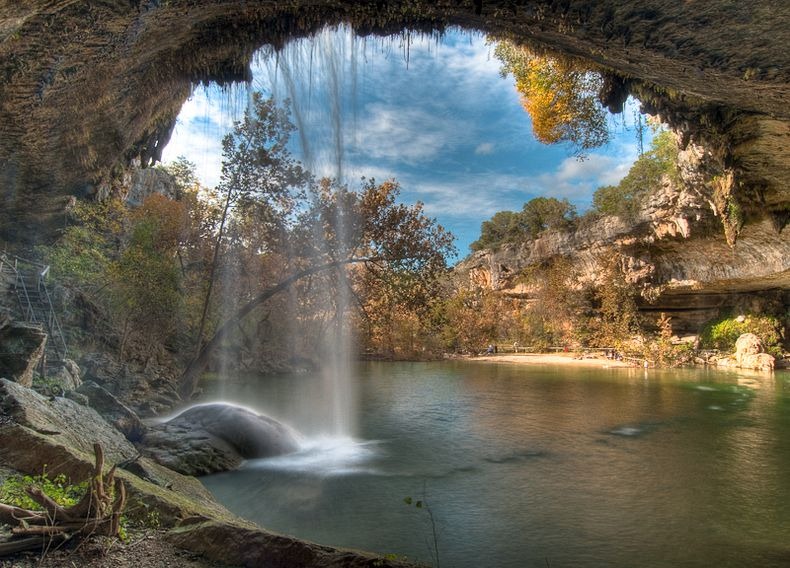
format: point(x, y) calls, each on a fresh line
point(97, 513)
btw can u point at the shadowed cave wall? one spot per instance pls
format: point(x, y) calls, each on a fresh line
point(86, 87)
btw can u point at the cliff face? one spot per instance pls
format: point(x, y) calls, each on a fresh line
point(86, 87)
point(674, 254)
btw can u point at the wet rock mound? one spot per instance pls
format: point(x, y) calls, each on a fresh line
point(216, 437)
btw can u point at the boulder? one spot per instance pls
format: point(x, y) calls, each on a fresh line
point(113, 410)
point(749, 353)
point(23, 347)
point(238, 545)
point(31, 422)
point(216, 437)
point(147, 389)
point(57, 434)
point(68, 377)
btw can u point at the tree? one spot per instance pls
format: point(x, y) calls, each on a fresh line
point(183, 172)
point(339, 228)
point(645, 176)
point(557, 312)
point(504, 226)
point(618, 317)
point(560, 95)
point(259, 176)
point(537, 215)
point(544, 213)
point(470, 320)
point(144, 291)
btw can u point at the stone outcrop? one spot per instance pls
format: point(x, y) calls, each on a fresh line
point(113, 410)
point(68, 376)
point(62, 421)
point(244, 546)
point(216, 437)
point(750, 354)
point(674, 252)
point(704, 66)
point(55, 434)
point(146, 388)
point(136, 183)
point(23, 346)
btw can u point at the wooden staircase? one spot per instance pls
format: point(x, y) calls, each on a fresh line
point(24, 292)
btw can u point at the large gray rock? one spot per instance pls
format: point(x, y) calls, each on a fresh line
point(216, 437)
point(231, 543)
point(146, 389)
point(35, 428)
point(113, 410)
point(38, 433)
point(68, 376)
point(21, 348)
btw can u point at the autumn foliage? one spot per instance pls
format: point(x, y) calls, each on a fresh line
point(560, 95)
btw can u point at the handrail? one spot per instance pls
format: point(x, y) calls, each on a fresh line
point(24, 260)
point(45, 300)
point(27, 308)
point(53, 323)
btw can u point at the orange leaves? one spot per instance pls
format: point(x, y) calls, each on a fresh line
point(158, 223)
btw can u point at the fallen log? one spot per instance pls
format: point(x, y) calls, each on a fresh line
point(30, 543)
point(98, 512)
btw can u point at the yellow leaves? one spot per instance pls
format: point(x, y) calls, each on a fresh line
point(559, 95)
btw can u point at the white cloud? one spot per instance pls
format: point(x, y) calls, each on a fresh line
point(484, 149)
point(577, 179)
point(406, 134)
point(470, 196)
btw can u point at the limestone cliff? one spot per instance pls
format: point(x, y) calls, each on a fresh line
point(86, 87)
point(674, 253)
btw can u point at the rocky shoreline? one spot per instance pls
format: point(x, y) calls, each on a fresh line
point(56, 433)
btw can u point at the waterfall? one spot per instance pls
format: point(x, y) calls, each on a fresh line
point(318, 77)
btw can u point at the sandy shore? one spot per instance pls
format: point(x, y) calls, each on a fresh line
point(551, 359)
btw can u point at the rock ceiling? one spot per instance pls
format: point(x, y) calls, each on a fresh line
point(85, 87)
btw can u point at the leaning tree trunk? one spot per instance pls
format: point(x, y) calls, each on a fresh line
point(191, 375)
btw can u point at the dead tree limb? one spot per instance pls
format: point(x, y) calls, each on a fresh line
point(97, 512)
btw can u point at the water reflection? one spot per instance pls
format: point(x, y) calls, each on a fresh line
point(584, 467)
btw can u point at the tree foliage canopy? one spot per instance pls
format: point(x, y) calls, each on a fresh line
point(537, 215)
point(560, 96)
point(624, 199)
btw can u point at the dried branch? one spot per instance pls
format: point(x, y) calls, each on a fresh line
point(98, 512)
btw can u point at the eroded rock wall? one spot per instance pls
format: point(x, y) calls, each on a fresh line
point(86, 87)
point(674, 253)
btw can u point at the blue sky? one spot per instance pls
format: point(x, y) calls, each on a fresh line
point(433, 113)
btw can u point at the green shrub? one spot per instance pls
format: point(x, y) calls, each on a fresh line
point(12, 491)
point(723, 332)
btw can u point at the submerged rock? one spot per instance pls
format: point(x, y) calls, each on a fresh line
point(216, 437)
